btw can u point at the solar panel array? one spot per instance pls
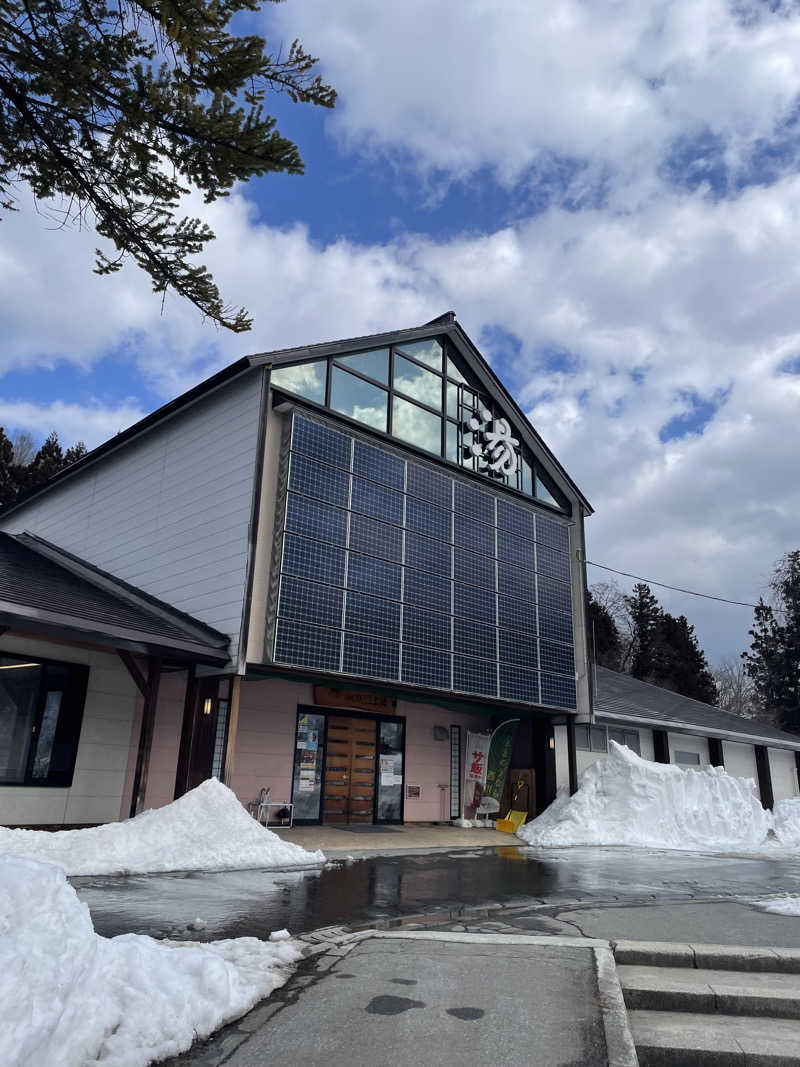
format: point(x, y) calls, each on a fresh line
point(391, 570)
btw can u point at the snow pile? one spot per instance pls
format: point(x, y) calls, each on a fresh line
point(786, 822)
point(788, 905)
point(69, 998)
point(626, 800)
point(207, 829)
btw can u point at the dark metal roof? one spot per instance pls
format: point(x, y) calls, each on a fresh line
point(620, 697)
point(442, 325)
point(48, 591)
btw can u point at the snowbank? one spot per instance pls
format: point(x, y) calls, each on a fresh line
point(626, 800)
point(207, 829)
point(788, 905)
point(69, 998)
point(786, 821)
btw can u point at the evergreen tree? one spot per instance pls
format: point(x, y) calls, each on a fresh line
point(679, 662)
point(8, 485)
point(645, 613)
point(48, 461)
point(116, 109)
point(604, 640)
point(72, 455)
point(773, 661)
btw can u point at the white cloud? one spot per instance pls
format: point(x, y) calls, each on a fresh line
point(91, 423)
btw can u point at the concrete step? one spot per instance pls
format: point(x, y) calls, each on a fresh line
point(718, 957)
point(702, 990)
point(688, 1039)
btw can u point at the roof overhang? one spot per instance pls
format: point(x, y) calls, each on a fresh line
point(697, 731)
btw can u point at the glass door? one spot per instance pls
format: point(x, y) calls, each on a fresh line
point(391, 746)
point(308, 762)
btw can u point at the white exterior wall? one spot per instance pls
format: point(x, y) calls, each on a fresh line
point(169, 511)
point(108, 716)
point(740, 760)
point(688, 743)
point(784, 773)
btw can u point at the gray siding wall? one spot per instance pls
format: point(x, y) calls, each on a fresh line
point(169, 512)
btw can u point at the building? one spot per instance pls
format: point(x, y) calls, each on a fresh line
point(314, 572)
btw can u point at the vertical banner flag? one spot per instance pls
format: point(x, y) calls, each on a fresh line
point(477, 753)
point(501, 748)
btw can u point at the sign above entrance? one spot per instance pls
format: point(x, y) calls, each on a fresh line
point(493, 442)
point(351, 698)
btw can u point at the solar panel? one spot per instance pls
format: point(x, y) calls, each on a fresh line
point(426, 628)
point(372, 615)
point(474, 639)
point(474, 503)
point(377, 500)
point(469, 533)
point(307, 646)
point(321, 442)
point(314, 519)
point(425, 554)
point(311, 559)
point(427, 591)
point(424, 517)
point(558, 659)
point(398, 552)
point(519, 648)
point(376, 538)
point(554, 625)
point(371, 657)
point(424, 666)
point(368, 575)
point(378, 465)
point(473, 603)
point(310, 601)
point(557, 691)
point(519, 684)
point(426, 484)
point(474, 675)
point(311, 478)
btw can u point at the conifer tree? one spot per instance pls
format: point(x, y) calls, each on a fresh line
point(8, 485)
point(111, 111)
point(679, 662)
point(604, 640)
point(773, 661)
point(645, 613)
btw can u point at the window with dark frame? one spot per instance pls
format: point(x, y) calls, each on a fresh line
point(41, 709)
point(417, 393)
point(596, 738)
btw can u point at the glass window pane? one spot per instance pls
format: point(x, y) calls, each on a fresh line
point(429, 352)
point(527, 478)
point(451, 442)
point(454, 372)
point(308, 762)
point(374, 364)
point(599, 743)
point(452, 400)
point(543, 493)
point(47, 735)
point(19, 689)
point(358, 399)
point(390, 779)
point(688, 759)
point(582, 738)
point(417, 382)
point(414, 424)
point(632, 741)
point(305, 379)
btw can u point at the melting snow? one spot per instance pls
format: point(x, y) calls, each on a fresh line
point(69, 998)
point(207, 829)
point(626, 800)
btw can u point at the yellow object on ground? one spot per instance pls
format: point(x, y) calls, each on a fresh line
point(512, 822)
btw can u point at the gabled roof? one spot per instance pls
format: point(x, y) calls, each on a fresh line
point(443, 325)
point(623, 698)
point(44, 589)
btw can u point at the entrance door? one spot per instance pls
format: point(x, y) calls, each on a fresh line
point(349, 770)
point(206, 721)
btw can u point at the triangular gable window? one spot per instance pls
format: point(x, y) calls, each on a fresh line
point(421, 393)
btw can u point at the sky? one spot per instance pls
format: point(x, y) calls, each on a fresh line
point(606, 192)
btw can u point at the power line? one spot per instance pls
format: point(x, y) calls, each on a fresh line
point(675, 588)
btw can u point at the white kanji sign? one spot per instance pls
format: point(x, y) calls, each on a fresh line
point(493, 442)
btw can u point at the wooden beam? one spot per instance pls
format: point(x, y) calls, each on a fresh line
point(233, 730)
point(764, 776)
point(133, 671)
point(145, 734)
point(187, 734)
point(572, 758)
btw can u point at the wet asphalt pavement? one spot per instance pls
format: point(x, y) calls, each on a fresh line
point(208, 906)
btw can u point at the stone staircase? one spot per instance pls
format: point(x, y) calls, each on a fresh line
point(698, 1005)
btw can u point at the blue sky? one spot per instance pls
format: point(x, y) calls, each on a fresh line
point(608, 196)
